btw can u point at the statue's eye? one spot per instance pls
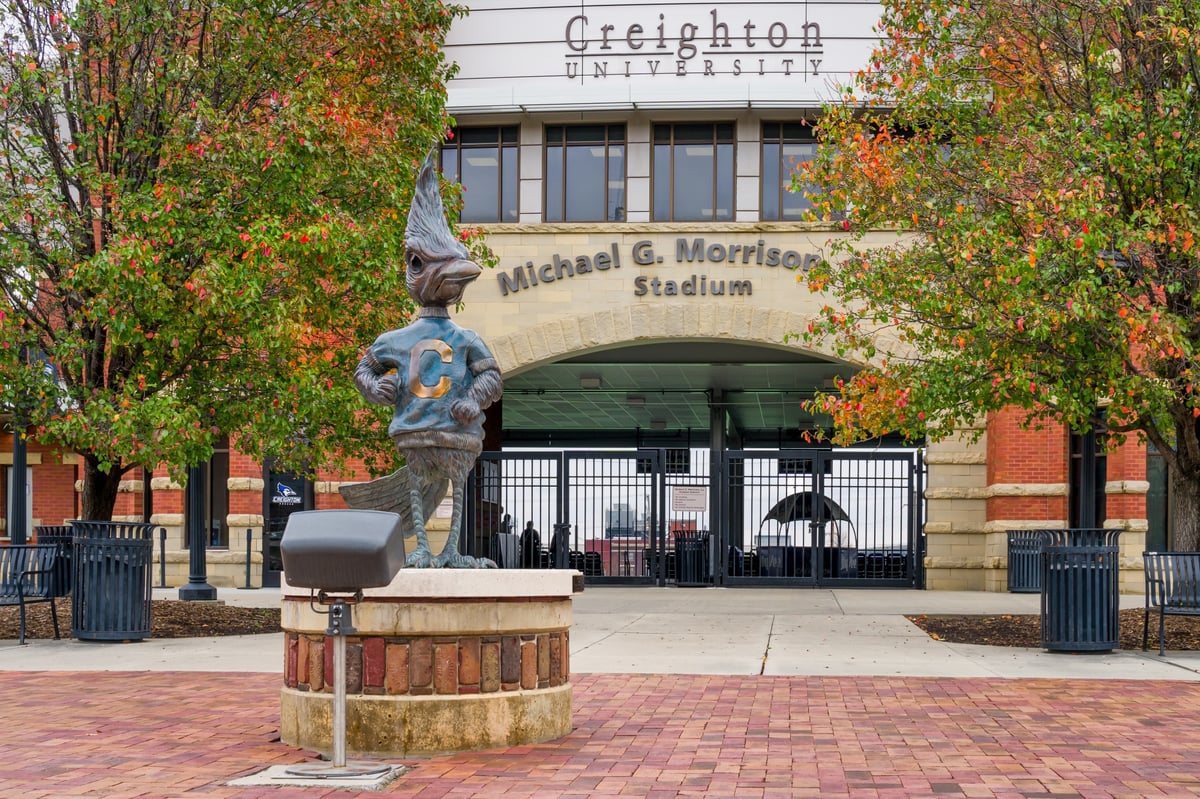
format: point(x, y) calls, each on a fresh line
point(414, 264)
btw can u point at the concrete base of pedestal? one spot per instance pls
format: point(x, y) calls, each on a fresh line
point(440, 661)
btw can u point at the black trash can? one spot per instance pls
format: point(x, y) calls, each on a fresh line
point(112, 594)
point(1080, 590)
point(61, 536)
point(560, 546)
point(1024, 561)
point(691, 559)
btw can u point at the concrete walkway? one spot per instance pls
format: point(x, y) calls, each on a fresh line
point(744, 631)
point(723, 693)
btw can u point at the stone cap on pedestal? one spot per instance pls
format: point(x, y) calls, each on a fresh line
point(440, 584)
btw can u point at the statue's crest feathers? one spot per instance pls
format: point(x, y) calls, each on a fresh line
point(427, 231)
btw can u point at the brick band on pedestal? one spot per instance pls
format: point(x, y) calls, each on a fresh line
point(424, 666)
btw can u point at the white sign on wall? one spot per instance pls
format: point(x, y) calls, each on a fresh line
point(527, 55)
point(689, 499)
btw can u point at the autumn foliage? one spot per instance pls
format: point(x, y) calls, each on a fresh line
point(201, 215)
point(1041, 160)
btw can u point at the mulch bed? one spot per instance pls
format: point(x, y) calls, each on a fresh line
point(169, 618)
point(1182, 633)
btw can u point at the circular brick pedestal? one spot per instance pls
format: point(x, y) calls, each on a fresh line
point(441, 661)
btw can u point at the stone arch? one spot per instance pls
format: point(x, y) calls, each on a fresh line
point(533, 346)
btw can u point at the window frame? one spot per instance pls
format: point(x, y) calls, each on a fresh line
point(563, 145)
point(1078, 482)
point(723, 134)
point(781, 134)
point(505, 142)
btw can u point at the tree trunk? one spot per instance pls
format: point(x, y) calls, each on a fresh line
point(1185, 494)
point(99, 491)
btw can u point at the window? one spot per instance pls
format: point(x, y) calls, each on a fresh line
point(214, 485)
point(1086, 485)
point(218, 496)
point(585, 173)
point(484, 161)
point(675, 461)
point(784, 148)
point(693, 173)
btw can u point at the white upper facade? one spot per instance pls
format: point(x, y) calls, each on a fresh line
point(531, 56)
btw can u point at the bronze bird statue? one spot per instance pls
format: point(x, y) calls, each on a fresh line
point(439, 376)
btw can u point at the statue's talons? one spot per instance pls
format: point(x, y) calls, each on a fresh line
point(420, 558)
point(454, 560)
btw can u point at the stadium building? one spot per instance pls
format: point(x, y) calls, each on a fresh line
point(629, 163)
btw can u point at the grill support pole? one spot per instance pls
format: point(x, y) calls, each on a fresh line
point(339, 679)
point(339, 627)
point(197, 587)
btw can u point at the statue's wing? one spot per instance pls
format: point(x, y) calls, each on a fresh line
point(391, 493)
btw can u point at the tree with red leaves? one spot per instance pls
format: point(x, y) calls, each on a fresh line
point(1040, 160)
point(202, 209)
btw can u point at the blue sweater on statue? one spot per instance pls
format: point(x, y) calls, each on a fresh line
point(434, 363)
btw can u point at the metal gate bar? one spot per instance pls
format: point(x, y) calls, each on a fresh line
point(514, 501)
point(814, 517)
point(823, 517)
point(613, 503)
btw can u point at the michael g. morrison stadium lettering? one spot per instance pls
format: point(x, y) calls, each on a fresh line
point(642, 253)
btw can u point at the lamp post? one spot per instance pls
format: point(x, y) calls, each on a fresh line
point(18, 505)
point(1087, 477)
point(197, 587)
point(1090, 488)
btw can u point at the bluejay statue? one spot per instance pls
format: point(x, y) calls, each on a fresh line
point(440, 377)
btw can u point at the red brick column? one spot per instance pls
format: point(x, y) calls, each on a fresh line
point(1026, 472)
point(430, 665)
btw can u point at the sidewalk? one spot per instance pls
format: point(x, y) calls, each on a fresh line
point(644, 630)
point(724, 693)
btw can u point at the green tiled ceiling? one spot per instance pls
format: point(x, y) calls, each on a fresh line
point(667, 386)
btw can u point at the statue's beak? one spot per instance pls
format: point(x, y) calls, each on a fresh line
point(453, 279)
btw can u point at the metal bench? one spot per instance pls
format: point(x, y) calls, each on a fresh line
point(1172, 586)
point(27, 575)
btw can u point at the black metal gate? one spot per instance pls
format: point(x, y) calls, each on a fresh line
point(784, 517)
point(823, 517)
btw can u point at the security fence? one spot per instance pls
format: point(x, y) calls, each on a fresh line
point(691, 517)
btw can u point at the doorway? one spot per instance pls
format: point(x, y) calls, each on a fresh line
point(813, 517)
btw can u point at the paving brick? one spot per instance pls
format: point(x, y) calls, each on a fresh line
point(445, 667)
point(354, 667)
point(489, 666)
point(543, 658)
point(164, 735)
point(396, 658)
point(420, 671)
point(510, 660)
point(326, 664)
point(468, 661)
point(316, 664)
point(529, 664)
point(555, 647)
point(374, 665)
point(301, 659)
point(291, 661)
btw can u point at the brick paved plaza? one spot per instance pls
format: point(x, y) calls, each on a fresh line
point(176, 734)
